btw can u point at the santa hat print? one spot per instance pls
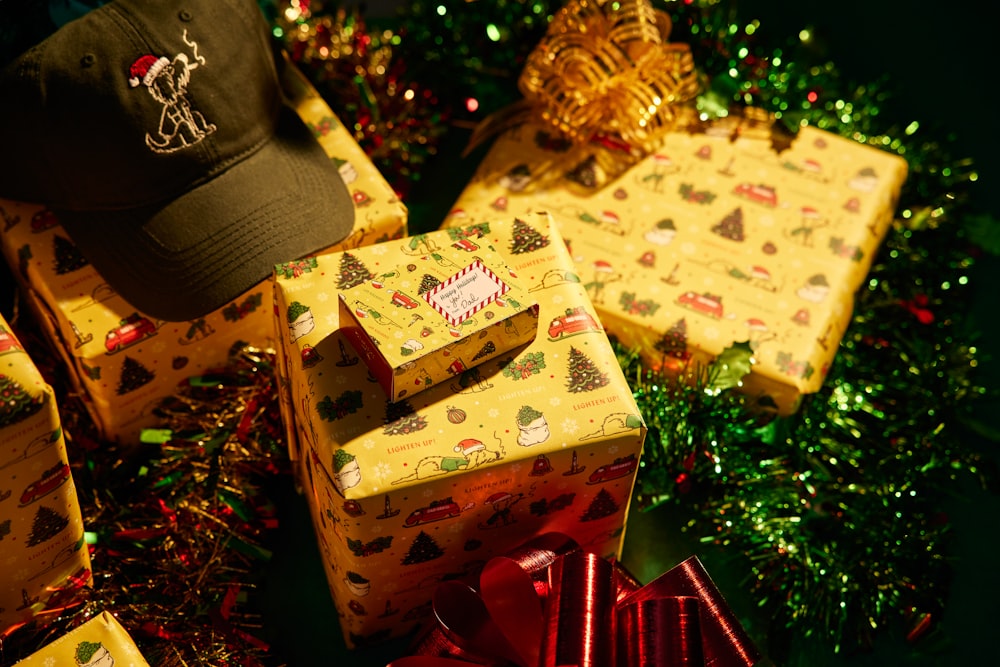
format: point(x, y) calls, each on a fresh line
point(145, 69)
point(497, 497)
point(469, 445)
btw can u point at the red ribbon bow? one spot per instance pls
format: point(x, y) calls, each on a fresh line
point(551, 604)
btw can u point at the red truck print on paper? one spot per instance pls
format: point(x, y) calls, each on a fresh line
point(403, 301)
point(437, 510)
point(707, 304)
point(762, 194)
point(50, 480)
point(129, 331)
point(575, 321)
point(620, 467)
point(465, 244)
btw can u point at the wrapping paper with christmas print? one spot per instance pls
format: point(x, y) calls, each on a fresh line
point(45, 560)
point(123, 362)
point(409, 493)
point(413, 325)
point(730, 232)
point(99, 642)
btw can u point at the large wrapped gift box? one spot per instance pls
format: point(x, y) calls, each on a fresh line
point(730, 232)
point(45, 560)
point(122, 362)
point(407, 494)
point(99, 642)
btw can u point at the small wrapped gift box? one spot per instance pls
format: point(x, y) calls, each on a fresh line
point(437, 316)
point(99, 642)
point(123, 362)
point(406, 494)
point(701, 235)
point(45, 560)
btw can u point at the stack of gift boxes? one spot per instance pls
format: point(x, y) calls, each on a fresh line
point(450, 394)
point(530, 428)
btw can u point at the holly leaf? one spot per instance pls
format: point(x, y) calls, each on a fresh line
point(729, 368)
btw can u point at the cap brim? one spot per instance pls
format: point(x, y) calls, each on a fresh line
point(187, 257)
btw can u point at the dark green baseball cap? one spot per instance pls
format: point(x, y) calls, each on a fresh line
point(158, 133)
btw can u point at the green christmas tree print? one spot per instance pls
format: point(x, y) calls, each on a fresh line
point(674, 341)
point(583, 374)
point(346, 404)
point(423, 549)
point(485, 351)
point(352, 272)
point(16, 404)
point(526, 238)
point(427, 283)
point(601, 506)
point(133, 376)
point(401, 419)
point(47, 524)
point(587, 173)
point(68, 256)
point(731, 226)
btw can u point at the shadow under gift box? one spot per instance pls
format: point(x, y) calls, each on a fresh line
point(45, 558)
point(407, 494)
point(122, 362)
point(730, 232)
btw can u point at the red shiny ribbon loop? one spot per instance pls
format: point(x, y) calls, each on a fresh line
point(551, 604)
point(724, 641)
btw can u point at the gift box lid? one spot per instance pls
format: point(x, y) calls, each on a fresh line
point(436, 316)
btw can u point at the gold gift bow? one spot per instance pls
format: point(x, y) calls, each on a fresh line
point(603, 69)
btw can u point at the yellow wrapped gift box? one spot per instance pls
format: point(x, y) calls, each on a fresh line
point(440, 314)
point(45, 560)
point(99, 642)
point(122, 362)
point(729, 232)
point(408, 493)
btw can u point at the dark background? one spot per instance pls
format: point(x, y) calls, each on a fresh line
point(940, 60)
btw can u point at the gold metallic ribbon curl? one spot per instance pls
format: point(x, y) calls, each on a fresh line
point(604, 69)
